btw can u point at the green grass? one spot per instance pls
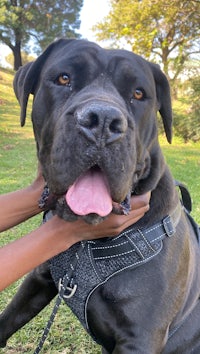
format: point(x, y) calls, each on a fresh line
point(18, 169)
point(184, 162)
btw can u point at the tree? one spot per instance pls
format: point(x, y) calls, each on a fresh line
point(164, 31)
point(40, 21)
point(26, 58)
point(187, 118)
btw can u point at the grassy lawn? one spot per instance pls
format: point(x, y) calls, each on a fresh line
point(17, 169)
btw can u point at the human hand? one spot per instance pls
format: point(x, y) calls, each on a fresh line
point(114, 224)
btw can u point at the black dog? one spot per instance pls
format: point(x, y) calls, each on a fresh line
point(94, 120)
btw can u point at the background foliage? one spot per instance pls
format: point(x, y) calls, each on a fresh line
point(40, 21)
point(165, 31)
point(168, 33)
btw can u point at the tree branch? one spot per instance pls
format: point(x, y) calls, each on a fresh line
point(6, 41)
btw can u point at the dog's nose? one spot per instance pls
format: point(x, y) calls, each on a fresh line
point(102, 124)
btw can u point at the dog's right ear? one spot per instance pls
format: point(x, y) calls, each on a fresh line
point(18, 84)
point(163, 99)
point(26, 78)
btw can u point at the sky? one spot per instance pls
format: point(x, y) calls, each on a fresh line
point(92, 12)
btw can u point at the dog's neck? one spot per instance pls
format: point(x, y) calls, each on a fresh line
point(164, 199)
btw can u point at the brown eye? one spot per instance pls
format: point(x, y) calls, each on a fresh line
point(63, 79)
point(138, 94)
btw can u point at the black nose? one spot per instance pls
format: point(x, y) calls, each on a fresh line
point(101, 123)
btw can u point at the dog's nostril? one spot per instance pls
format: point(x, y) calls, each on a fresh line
point(115, 126)
point(93, 121)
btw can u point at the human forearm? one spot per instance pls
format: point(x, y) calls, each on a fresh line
point(21, 256)
point(18, 206)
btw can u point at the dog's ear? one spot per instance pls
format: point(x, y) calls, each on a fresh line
point(26, 78)
point(18, 84)
point(164, 99)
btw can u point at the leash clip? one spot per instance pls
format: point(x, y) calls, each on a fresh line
point(62, 289)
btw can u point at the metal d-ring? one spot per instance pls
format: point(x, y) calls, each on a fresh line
point(63, 288)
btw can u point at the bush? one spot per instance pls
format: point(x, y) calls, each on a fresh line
point(187, 112)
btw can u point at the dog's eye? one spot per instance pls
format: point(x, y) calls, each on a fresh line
point(63, 79)
point(138, 94)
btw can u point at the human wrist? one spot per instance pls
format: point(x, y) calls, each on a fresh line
point(68, 233)
point(59, 234)
point(34, 192)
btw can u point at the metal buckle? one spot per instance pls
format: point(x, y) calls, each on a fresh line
point(168, 226)
point(62, 288)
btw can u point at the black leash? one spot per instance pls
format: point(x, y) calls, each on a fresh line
point(66, 289)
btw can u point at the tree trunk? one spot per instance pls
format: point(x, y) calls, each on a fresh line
point(165, 53)
point(17, 55)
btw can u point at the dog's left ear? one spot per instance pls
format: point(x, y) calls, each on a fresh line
point(164, 99)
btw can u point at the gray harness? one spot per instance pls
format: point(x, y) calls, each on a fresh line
point(89, 264)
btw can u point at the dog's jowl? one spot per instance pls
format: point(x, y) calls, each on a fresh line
point(95, 125)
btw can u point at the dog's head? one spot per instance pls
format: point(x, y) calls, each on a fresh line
point(94, 120)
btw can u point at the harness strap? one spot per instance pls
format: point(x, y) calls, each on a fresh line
point(159, 231)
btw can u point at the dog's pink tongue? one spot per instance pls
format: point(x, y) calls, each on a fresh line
point(90, 194)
